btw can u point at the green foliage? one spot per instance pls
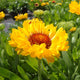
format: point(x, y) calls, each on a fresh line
point(3, 4)
point(8, 74)
point(66, 24)
point(38, 13)
point(17, 6)
point(1, 78)
point(9, 49)
point(22, 73)
point(2, 26)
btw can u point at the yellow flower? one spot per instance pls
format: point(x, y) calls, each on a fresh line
point(59, 4)
point(43, 4)
point(78, 10)
point(21, 16)
point(73, 29)
point(37, 40)
point(74, 7)
point(47, 3)
point(2, 15)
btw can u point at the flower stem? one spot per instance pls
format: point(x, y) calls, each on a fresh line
point(39, 69)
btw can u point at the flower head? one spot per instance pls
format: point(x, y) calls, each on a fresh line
point(2, 15)
point(43, 4)
point(74, 7)
point(36, 4)
point(73, 29)
point(53, 1)
point(47, 3)
point(59, 4)
point(38, 12)
point(21, 16)
point(37, 40)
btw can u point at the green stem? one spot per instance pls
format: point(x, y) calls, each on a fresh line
point(39, 69)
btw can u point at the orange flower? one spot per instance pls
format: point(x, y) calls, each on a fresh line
point(53, 1)
point(31, 0)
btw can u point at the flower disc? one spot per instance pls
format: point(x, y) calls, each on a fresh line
point(39, 38)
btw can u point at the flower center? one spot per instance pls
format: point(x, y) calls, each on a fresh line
point(39, 38)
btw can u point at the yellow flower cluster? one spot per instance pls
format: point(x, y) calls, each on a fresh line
point(44, 3)
point(72, 29)
point(74, 7)
point(2, 15)
point(37, 40)
point(21, 16)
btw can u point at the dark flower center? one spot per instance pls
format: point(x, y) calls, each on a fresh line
point(39, 38)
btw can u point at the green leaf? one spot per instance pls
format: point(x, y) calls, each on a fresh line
point(66, 59)
point(33, 63)
point(57, 16)
point(2, 26)
point(1, 78)
point(76, 54)
point(8, 74)
point(77, 77)
point(3, 37)
point(53, 76)
point(35, 78)
point(22, 73)
point(75, 72)
point(78, 20)
point(9, 49)
point(78, 42)
point(75, 36)
point(2, 57)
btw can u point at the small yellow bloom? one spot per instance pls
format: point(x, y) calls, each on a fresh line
point(73, 29)
point(21, 16)
point(2, 15)
point(74, 7)
point(43, 4)
point(47, 3)
point(37, 40)
point(59, 4)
